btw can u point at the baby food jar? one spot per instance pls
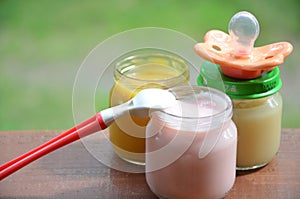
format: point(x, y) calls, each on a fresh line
point(257, 110)
point(137, 70)
point(191, 146)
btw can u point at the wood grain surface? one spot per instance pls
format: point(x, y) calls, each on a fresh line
point(72, 172)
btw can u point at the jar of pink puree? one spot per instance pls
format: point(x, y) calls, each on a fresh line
point(191, 146)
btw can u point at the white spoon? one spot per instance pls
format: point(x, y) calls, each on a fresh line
point(151, 98)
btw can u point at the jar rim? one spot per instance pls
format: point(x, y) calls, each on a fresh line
point(146, 53)
point(186, 92)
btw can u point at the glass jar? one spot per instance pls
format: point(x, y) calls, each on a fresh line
point(257, 112)
point(191, 146)
point(137, 70)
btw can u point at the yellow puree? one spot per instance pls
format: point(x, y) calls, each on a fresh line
point(127, 133)
point(259, 125)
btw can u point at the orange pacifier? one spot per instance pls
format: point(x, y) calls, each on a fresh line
point(236, 54)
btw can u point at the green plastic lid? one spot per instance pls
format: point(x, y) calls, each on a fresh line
point(267, 84)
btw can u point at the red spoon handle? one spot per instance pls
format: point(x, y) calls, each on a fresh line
point(92, 125)
point(47, 143)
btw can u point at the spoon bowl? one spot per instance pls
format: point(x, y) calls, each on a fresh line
point(151, 99)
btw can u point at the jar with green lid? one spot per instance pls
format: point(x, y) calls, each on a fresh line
point(257, 112)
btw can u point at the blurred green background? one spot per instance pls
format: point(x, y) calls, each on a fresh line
point(43, 43)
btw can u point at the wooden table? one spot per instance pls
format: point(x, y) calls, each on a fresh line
point(72, 172)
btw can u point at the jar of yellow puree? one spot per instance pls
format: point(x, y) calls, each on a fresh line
point(134, 71)
point(257, 110)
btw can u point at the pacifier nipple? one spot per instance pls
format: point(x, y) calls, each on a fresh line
point(244, 30)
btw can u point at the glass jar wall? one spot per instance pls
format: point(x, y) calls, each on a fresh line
point(137, 70)
point(191, 147)
point(259, 126)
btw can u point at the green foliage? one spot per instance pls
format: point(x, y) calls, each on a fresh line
point(43, 43)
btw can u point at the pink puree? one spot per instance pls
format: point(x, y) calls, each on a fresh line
point(191, 177)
